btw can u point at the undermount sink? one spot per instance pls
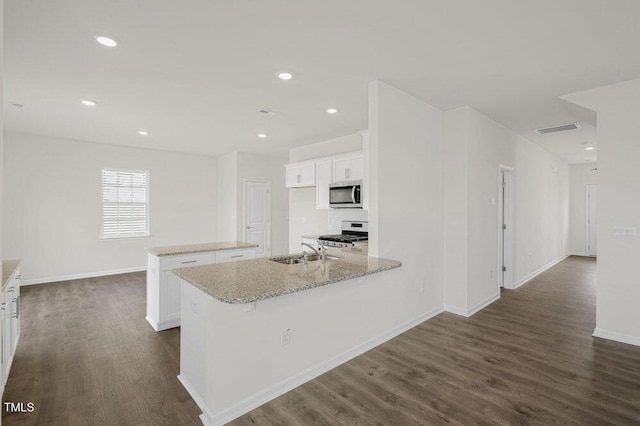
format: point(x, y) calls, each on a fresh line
point(297, 258)
point(288, 260)
point(314, 257)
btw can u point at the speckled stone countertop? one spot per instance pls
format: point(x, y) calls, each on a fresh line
point(258, 279)
point(198, 248)
point(8, 268)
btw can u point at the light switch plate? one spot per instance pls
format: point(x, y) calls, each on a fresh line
point(624, 232)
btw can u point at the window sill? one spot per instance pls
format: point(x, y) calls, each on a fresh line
point(124, 237)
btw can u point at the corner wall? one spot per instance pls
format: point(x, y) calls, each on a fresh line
point(475, 148)
point(52, 205)
point(618, 292)
point(406, 209)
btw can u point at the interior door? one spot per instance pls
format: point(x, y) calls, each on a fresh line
point(257, 215)
point(506, 233)
point(592, 223)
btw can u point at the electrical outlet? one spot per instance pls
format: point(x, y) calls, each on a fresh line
point(194, 307)
point(490, 273)
point(285, 336)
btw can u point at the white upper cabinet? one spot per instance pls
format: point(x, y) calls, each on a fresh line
point(348, 167)
point(301, 174)
point(324, 174)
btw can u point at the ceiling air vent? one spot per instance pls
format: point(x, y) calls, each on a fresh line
point(267, 112)
point(563, 128)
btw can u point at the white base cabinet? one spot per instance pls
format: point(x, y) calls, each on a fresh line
point(10, 327)
point(163, 287)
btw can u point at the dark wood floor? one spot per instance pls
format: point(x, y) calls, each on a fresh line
point(87, 356)
point(529, 358)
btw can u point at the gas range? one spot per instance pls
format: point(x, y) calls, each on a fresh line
point(352, 232)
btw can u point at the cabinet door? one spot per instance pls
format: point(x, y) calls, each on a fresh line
point(308, 174)
point(340, 167)
point(324, 175)
point(6, 332)
point(300, 174)
point(292, 175)
point(172, 296)
point(356, 168)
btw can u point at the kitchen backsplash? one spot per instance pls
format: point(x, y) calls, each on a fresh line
point(336, 216)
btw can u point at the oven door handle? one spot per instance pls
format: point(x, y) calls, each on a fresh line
point(353, 194)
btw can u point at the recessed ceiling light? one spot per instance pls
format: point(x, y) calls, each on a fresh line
point(262, 135)
point(88, 102)
point(143, 132)
point(589, 148)
point(285, 76)
point(106, 41)
point(331, 110)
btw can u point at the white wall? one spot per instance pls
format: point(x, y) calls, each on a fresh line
point(228, 197)
point(251, 166)
point(407, 199)
point(618, 292)
point(581, 176)
point(52, 205)
point(456, 208)
point(475, 147)
point(304, 217)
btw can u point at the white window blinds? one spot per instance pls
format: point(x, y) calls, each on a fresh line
point(125, 204)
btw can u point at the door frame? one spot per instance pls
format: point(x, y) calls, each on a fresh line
point(244, 211)
point(587, 215)
point(511, 192)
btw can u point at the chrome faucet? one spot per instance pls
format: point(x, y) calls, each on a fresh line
point(322, 254)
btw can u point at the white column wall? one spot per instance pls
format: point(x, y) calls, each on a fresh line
point(618, 291)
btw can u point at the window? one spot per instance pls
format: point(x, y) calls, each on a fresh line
point(125, 204)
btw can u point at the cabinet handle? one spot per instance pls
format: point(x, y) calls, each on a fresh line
point(17, 307)
point(237, 255)
point(188, 261)
point(10, 290)
point(298, 179)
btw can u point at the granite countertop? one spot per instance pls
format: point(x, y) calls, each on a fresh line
point(198, 248)
point(258, 279)
point(8, 269)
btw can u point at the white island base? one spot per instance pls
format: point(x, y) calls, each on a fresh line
point(233, 357)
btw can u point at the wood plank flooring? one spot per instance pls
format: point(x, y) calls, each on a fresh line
point(87, 356)
point(529, 358)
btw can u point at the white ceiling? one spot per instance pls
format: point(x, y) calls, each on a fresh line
point(195, 72)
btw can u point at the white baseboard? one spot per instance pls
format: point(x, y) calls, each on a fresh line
point(468, 312)
point(205, 417)
point(579, 253)
point(81, 276)
point(484, 304)
point(618, 337)
point(456, 310)
point(165, 325)
point(539, 271)
point(304, 376)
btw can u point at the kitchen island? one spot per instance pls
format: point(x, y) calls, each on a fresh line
point(163, 288)
point(254, 329)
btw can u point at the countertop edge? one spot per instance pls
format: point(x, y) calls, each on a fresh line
point(241, 301)
point(150, 250)
point(14, 264)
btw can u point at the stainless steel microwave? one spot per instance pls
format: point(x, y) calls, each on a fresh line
point(345, 195)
